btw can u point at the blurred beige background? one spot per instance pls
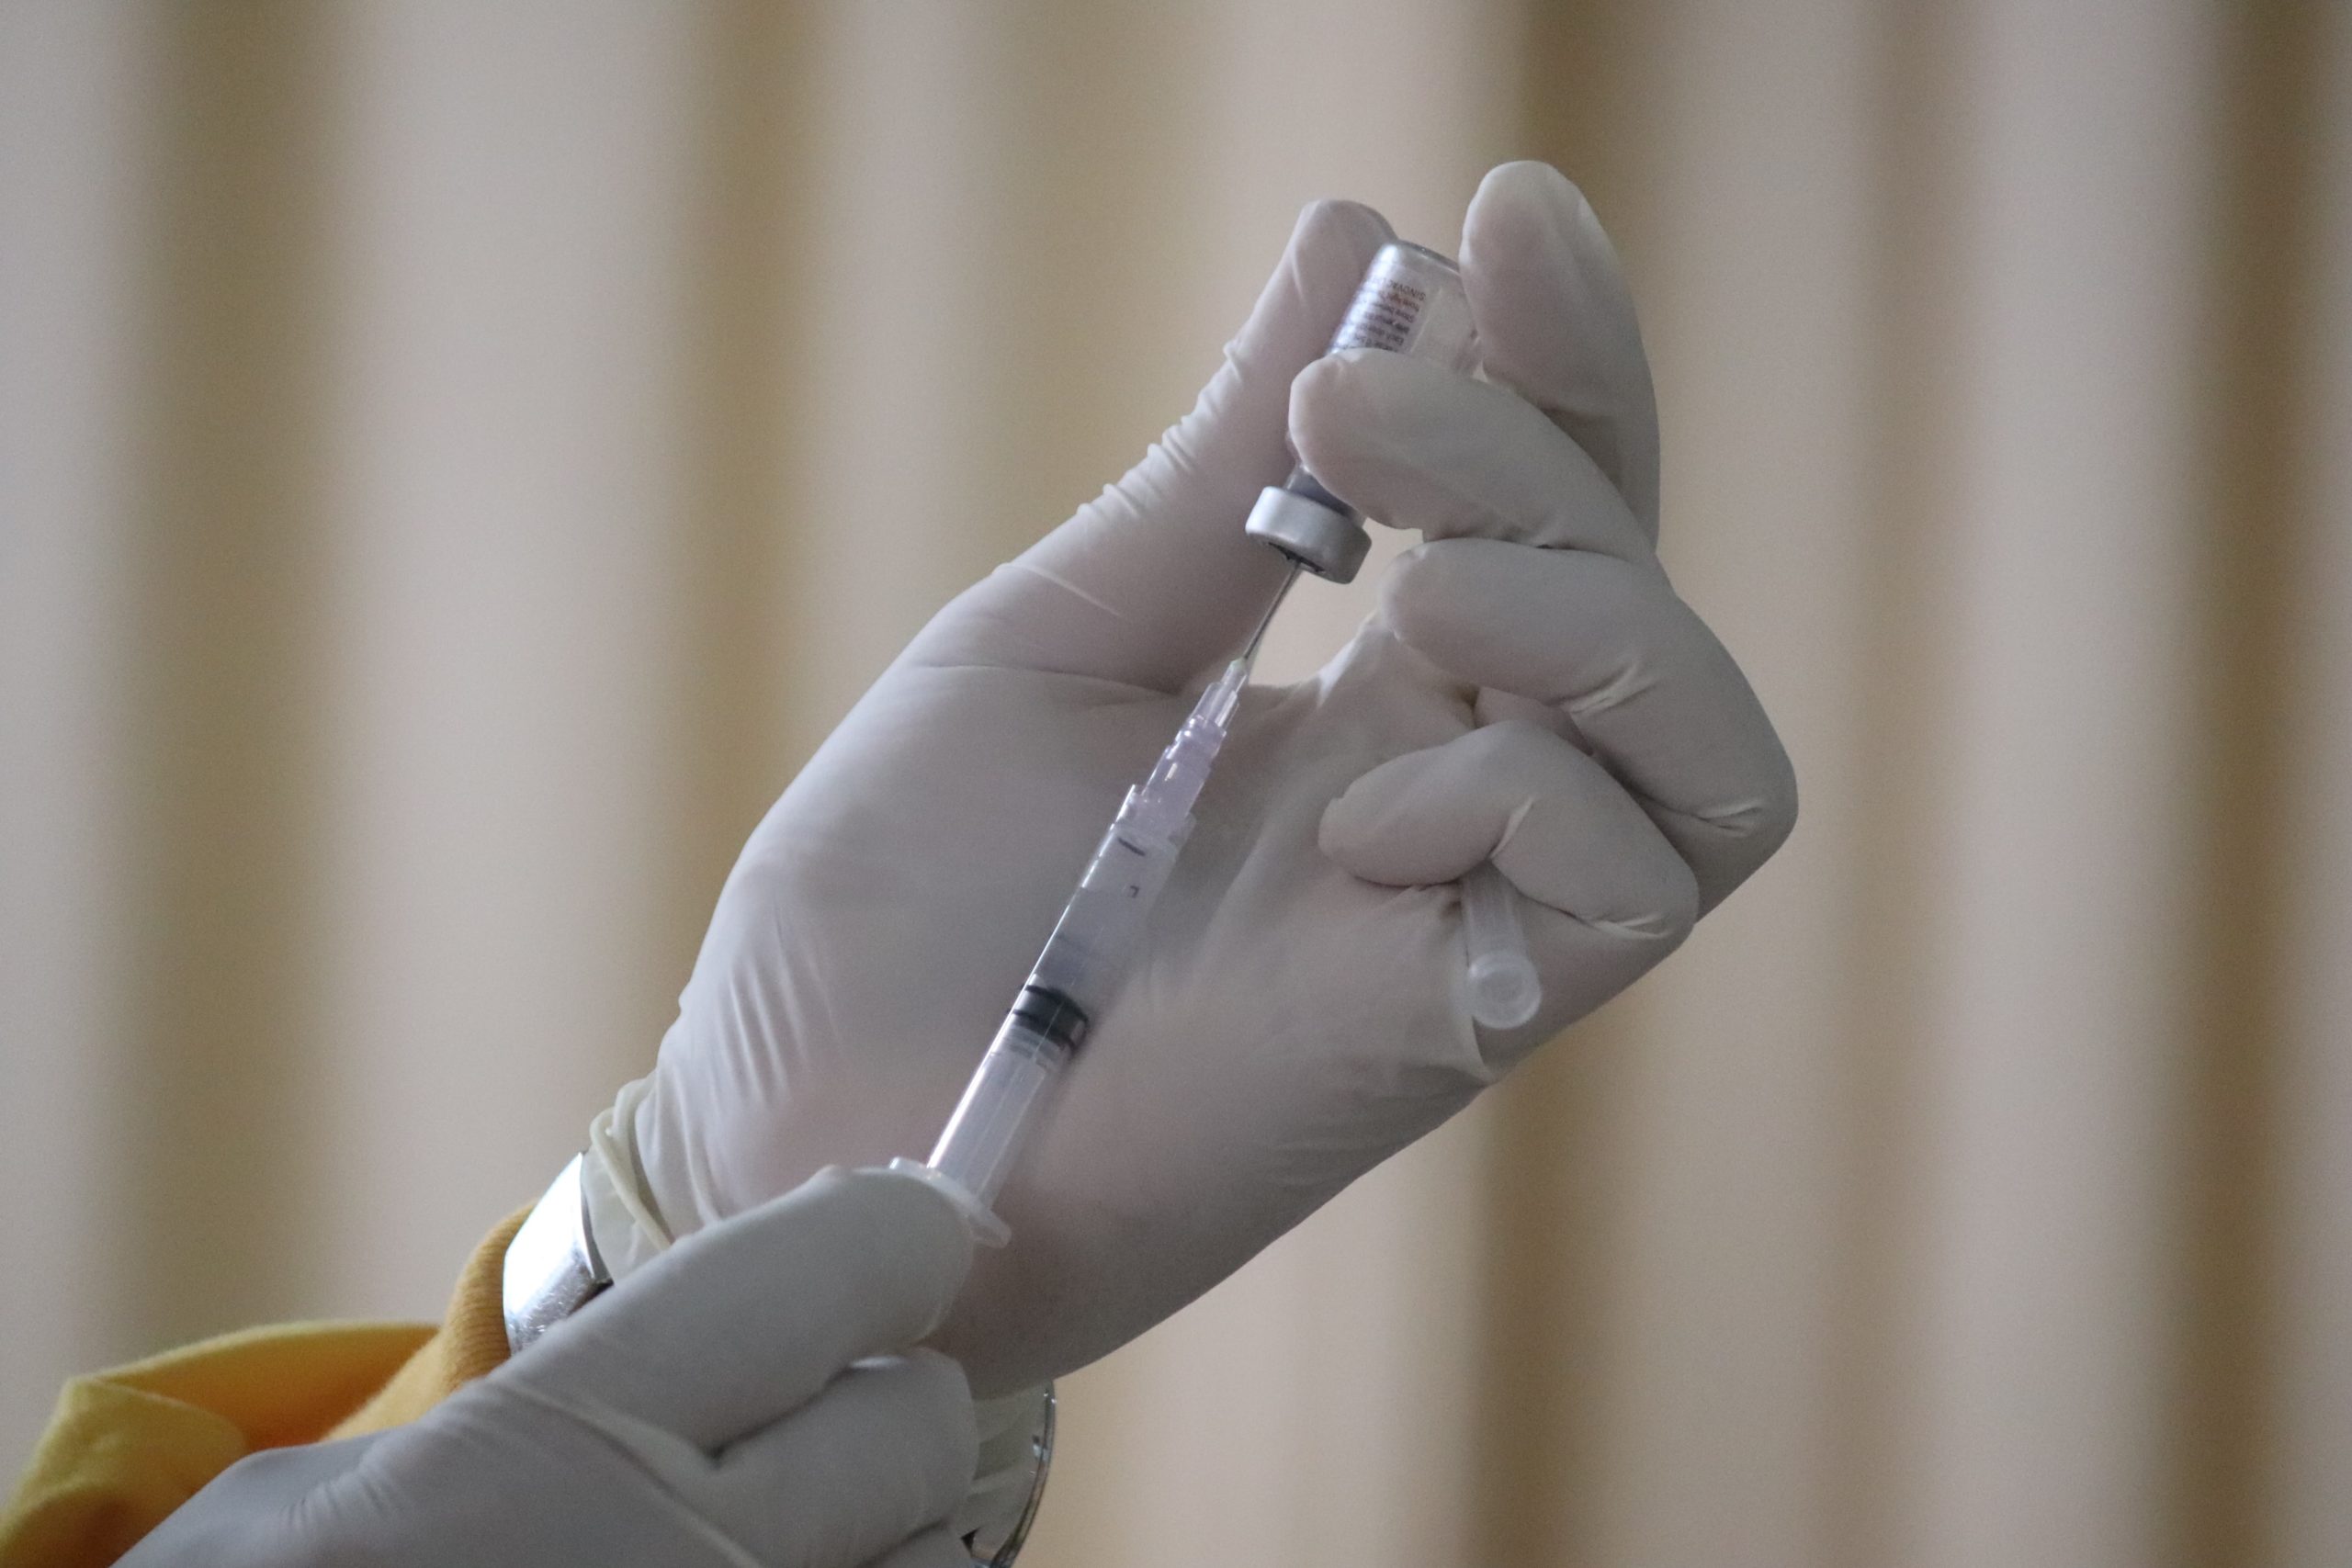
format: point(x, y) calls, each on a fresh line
point(456, 460)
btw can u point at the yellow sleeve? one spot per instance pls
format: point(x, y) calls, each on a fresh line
point(127, 1447)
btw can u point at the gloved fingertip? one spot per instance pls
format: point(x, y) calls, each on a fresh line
point(1422, 589)
point(1343, 217)
point(1333, 831)
point(1532, 241)
point(1355, 381)
point(1531, 181)
point(946, 1394)
point(1352, 824)
point(1385, 829)
point(1331, 245)
point(1365, 404)
point(1322, 398)
point(1527, 213)
point(1345, 233)
point(1230, 442)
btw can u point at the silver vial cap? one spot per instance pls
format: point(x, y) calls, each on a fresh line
point(1326, 539)
point(1410, 302)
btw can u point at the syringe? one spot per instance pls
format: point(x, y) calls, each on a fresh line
point(1411, 301)
point(1084, 960)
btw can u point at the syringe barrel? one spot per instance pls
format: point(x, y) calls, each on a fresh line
point(1074, 978)
point(1411, 301)
point(986, 1131)
point(1079, 972)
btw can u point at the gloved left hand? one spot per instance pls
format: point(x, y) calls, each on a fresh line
point(717, 1409)
point(1532, 691)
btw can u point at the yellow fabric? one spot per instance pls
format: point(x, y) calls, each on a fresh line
point(470, 1341)
point(127, 1447)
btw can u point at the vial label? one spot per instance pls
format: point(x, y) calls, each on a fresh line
point(1382, 315)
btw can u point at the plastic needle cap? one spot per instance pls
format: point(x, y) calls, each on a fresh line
point(1504, 988)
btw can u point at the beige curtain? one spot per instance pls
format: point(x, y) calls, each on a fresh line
point(457, 460)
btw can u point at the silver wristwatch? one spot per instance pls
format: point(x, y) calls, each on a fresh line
point(998, 1542)
point(552, 1267)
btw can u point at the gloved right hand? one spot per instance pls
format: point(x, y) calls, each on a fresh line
point(717, 1409)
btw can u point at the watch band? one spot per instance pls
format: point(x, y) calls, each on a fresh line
point(997, 1546)
point(551, 1265)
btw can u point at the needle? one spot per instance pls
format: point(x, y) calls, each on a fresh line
point(1249, 650)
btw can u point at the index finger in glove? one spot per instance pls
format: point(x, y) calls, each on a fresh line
point(745, 1321)
point(1633, 668)
point(1419, 446)
point(1555, 322)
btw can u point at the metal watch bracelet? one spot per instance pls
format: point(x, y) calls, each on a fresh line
point(552, 1267)
point(987, 1547)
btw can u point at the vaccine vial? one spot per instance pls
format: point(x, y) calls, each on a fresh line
point(1411, 301)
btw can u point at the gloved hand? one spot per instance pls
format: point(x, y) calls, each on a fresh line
point(1530, 690)
point(717, 1409)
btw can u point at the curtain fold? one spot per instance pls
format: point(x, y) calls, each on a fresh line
point(455, 461)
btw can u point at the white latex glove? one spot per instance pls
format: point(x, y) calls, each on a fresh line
point(1298, 1014)
point(717, 1409)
